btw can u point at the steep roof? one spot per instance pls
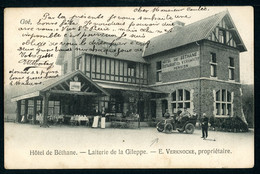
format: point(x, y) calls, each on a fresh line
point(191, 33)
point(48, 84)
point(187, 34)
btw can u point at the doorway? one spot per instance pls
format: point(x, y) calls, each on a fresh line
point(140, 110)
point(153, 109)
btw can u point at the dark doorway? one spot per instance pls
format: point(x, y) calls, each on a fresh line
point(153, 109)
point(140, 110)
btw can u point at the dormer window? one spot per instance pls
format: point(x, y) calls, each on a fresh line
point(222, 36)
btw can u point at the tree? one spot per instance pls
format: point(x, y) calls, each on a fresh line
point(248, 103)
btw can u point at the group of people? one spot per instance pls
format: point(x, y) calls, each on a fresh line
point(179, 117)
point(185, 113)
point(99, 114)
point(25, 118)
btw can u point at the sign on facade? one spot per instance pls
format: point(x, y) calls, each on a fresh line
point(75, 86)
point(181, 62)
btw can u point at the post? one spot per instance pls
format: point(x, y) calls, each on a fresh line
point(18, 111)
point(25, 110)
point(139, 91)
point(34, 110)
point(45, 109)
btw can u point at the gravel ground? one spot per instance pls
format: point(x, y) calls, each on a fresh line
point(34, 147)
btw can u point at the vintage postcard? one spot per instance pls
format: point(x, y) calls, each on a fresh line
point(128, 87)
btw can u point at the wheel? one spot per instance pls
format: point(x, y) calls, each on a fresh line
point(168, 128)
point(160, 126)
point(189, 128)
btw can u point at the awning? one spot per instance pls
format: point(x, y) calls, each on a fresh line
point(129, 87)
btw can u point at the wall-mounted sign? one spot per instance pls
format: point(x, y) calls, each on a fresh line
point(75, 86)
point(181, 62)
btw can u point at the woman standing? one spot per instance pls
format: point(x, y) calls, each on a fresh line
point(103, 117)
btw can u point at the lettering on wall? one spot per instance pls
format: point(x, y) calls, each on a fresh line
point(75, 86)
point(184, 61)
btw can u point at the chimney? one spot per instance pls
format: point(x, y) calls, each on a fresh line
point(177, 25)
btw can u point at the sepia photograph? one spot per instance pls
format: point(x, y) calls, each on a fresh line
point(129, 87)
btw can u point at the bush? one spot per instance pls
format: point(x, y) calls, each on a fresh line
point(234, 124)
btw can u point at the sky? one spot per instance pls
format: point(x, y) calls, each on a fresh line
point(242, 17)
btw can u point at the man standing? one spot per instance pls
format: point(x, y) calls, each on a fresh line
point(204, 126)
point(96, 114)
point(103, 117)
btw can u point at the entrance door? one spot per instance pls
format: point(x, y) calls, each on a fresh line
point(153, 109)
point(141, 110)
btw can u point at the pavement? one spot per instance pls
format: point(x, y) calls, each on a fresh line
point(84, 147)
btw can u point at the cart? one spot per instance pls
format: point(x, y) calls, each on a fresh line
point(186, 123)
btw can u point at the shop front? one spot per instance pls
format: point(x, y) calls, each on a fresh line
point(73, 97)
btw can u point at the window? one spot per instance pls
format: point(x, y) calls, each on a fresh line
point(54, 108)
point(112, 62)
point(141, 72)
point(107, 69)
point(181, 98)
point(231, 61)
point(121, 71)
point(98, 65)
point(145, 74)
point(39, 105)
point(125, 71)
point(131, 71)
point(103, 101)
point(88, 63)
point(213, 65)
point(222, 36)
point(93, 66)
point(79, 63)
point(231, 69)
point(159, 71)
point(116, 104)
point(223, 103)
point(114, 70)
point(30, 107)
point(103, 68)
point(22, 107)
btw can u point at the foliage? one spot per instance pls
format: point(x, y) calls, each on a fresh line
point(248, 103)
point(234, 124)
